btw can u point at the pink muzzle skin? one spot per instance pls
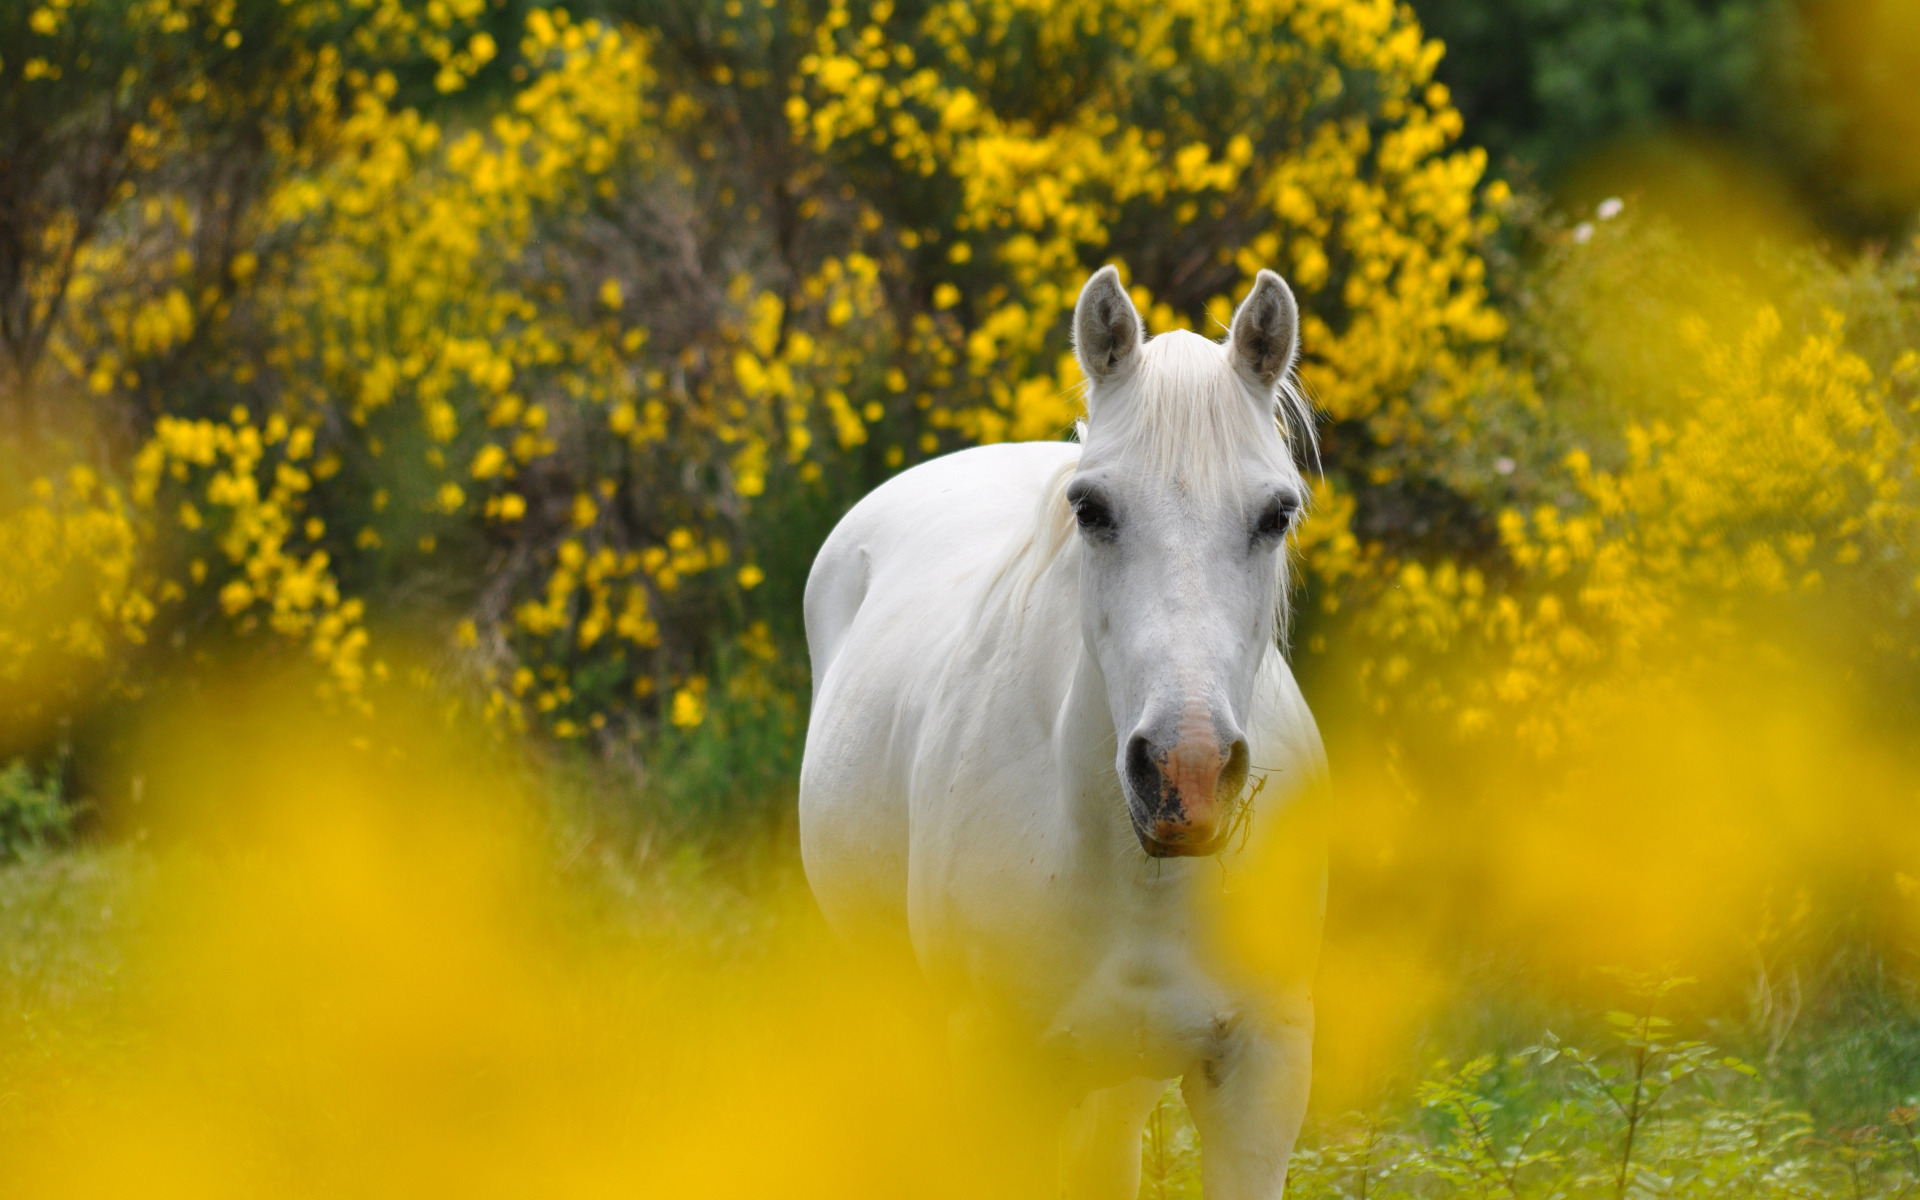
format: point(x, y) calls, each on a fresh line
point(1190, 779)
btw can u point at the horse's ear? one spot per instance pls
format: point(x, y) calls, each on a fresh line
point(1106, 327)
point(1266, 331)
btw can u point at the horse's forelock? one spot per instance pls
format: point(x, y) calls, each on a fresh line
point(1188, 415)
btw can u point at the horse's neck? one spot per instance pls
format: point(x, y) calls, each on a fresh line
point(1089, 789)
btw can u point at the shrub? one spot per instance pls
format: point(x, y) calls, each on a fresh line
point(539, 379)
point(33, 813)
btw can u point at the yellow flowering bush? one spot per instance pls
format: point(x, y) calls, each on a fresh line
point(567, 375)
point(925, 207)
point(242, 492)
point(1194, 143)
point(502, 409)
point(563, 359)
point(139, 140)
point(73, 590)
point(1787, 491)
point(139, 136)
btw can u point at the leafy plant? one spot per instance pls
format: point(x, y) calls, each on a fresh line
point(1646, 1113)
point(1479, 1158)
point(33, 813)
point(1170, 1151)
point(1649, 1066)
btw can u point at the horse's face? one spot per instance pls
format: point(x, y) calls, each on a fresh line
point(1184, 497)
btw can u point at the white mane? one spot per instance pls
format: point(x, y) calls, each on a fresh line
point(1185, 412)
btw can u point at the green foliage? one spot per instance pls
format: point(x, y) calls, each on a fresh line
point(734, 772)
point(1641, 1113)
point(33, 814)
point(1805, 88)
point(1170, 1151)
point(1549, 81)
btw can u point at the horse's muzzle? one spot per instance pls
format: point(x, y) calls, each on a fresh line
point(1180, 797)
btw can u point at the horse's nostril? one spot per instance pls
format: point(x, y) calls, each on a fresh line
point(1233, 776)
point(1142, 774)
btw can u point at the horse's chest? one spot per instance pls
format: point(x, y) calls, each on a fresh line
point(1103, 998)
point(1145, 1009)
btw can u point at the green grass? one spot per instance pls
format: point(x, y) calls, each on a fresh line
point(64, 925)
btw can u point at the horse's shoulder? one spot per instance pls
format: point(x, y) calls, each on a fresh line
point(912, 543)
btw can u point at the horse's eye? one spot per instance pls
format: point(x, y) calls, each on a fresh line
point(1092, 511)
point(1276, 518)
point(1094, 516)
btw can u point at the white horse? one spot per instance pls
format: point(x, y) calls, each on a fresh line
point(1030, 748)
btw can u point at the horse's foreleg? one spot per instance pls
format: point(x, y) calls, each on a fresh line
point(1100, 1143)
point(1247, 1101)
point(1010, 1108)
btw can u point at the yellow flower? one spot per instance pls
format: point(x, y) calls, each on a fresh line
point(585, 511)
point(689, 704)
point(236, 596)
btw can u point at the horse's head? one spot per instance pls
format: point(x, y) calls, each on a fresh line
point(1185, 493)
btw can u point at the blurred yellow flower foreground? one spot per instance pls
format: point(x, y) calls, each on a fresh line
point(359, 973)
